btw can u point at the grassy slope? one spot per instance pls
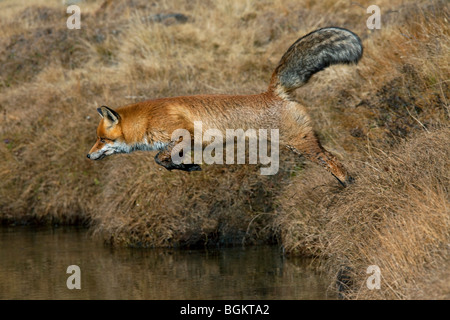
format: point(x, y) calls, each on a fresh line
point(386, 118)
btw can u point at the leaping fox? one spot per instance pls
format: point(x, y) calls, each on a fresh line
point(148, 125)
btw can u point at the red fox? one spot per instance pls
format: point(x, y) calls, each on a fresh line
point(148, 125)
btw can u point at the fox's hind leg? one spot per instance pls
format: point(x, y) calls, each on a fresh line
point(164, 158)
point(309, 146)
point(298, 136)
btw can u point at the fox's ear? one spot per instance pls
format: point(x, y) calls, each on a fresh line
point(109, 115)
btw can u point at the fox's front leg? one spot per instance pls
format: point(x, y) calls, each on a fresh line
point(164, 158)
point(309, 146)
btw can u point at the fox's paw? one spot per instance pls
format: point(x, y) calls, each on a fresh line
point(183, 167)
point(191, 167)
point(350, 180)
point(347, 182)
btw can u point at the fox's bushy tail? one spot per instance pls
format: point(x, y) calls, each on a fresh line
point(313, 53)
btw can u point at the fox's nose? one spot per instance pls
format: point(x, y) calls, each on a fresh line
point(89, 156)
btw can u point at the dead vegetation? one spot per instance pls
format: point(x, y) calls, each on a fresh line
point(396, 216)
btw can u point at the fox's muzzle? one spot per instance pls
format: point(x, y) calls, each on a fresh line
point(93, 156)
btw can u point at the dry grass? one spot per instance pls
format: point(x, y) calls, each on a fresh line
point(386, 119)
point(396, 216)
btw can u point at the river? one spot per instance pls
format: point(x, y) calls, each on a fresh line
point(34, 262)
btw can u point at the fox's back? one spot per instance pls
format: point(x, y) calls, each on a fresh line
point(214, 111)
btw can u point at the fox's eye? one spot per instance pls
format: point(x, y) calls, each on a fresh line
point(102, 140)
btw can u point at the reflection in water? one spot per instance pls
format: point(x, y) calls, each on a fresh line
point(33, 264)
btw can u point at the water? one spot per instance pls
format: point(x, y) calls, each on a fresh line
point(33, 265)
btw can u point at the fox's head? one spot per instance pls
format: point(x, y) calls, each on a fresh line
point(109, 135)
